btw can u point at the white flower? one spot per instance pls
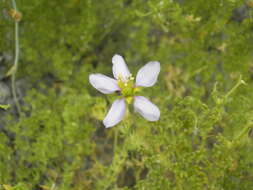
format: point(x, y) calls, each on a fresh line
point(123, 82)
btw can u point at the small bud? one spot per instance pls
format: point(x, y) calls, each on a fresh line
point(243, 82)
point(16, 15)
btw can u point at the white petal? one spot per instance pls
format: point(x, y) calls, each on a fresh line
point(147, 75)
point(119, 67)
point(103, 83)
point(147, 109)
point(116, 113)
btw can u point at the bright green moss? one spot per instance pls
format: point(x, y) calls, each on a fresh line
point(204, 137)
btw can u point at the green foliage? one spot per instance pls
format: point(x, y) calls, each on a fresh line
point(204, 138)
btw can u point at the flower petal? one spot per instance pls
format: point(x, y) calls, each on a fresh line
point(147, 75)
point(116, 113)
point(103, 83)
point(147, 109)
point(119, 67)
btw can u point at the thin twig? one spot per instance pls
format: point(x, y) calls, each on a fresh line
point(13, 76)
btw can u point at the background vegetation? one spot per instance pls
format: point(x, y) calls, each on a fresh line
point(204, 138)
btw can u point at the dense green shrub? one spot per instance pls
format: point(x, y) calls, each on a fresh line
point(204, 138)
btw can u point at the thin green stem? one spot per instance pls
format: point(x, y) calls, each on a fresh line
point(13, 76)
point(115, 144)
point(240, 81)
point(244, 131)
point(195, 132)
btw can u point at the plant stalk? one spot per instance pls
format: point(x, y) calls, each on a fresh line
point(13, 75)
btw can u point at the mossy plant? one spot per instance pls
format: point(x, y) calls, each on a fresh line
point(203, 139)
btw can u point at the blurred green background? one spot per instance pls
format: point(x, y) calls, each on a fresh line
point(204, 138)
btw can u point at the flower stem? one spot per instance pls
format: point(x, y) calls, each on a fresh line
point(115, 144)
point(15, 66)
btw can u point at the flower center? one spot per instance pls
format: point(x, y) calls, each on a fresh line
point(127, 86)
